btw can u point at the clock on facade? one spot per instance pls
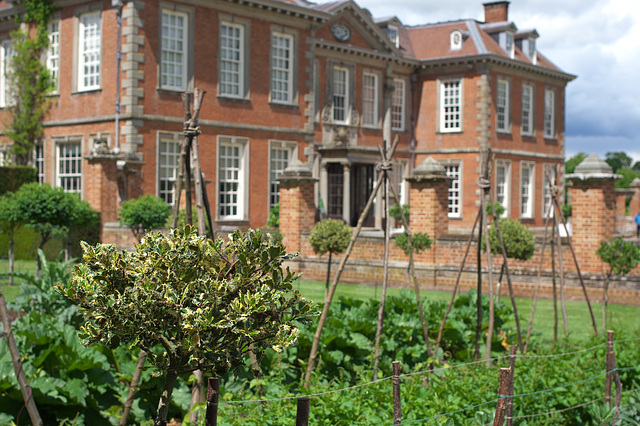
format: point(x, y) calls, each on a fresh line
point(341, 32)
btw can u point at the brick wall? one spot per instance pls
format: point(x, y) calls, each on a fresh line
point(593, 216)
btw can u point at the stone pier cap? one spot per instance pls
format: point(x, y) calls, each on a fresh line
point(592, 168)
point(297, 172)
point(429, 170)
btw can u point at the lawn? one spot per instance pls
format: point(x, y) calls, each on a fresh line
point(622, 318)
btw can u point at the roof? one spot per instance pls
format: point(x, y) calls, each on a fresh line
point(432, 42)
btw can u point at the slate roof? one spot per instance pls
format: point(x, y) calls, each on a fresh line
point(430, 42)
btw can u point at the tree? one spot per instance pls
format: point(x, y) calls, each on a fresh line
point(10, 221)
point(29, 80)
point(329, 235)
point(628, 175)
point(519, 241)
point(51, 211)
point(419, 241)
point(141, 215)
point(189, 302)
point(621, 256)
point(618, 160)
point(144, 214)
point(571, 163)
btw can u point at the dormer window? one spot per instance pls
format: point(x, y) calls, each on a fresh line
point(508, 43)
point(531, 53)
point(392, 33)
point(456, 40)
point(526, 42)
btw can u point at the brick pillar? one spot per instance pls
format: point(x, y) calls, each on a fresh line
point(634, 205)
point(297, 206)
point(593, 197)
point(101, 190)
point(429, 199)
point(621, 201)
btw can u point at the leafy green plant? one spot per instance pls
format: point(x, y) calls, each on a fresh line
point(332, 236)
point(188, 302)
point(144, 214)
point(10, 221)
point(274, 217)
point(13, 177)
point(30, 81)
point(419, 240)
point(519, 242)
point(51, 211)
point(621, 256)
point(497, 207)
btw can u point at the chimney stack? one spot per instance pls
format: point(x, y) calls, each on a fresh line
point(497, 11)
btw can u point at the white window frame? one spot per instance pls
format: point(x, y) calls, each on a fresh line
point(241, 202)
point(69, 166)
point(291, 150)
point(6, 53)
point(503, 185)
point(370, 99)
point(174, 50)
point(503, 106)
point(232, 66)
point(528, 106)
point(454, 170)
point(89, 56)
point(167, 169)
point(507, 42)
point(38, 160)
point(342, 95)
point(397, 105)
point(451, 111)
point(282, 70)
point(53, 52)
point(393, 34)
point(527, 189)
point(549, 113)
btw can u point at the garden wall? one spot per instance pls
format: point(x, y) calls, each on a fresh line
point(594, 216)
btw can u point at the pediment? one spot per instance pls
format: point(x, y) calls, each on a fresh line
point(363, 32)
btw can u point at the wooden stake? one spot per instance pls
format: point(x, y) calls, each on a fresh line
point(397, 410)
point(505, 266)
point(325, 310)
point(512, 369)
point(412, 270)
point(385, 271)
point(133, 388)
point(487, 353)
point(503, 392)
point(302, 413)
point(25, 388)
point(562, 298)
point(537, 288)
point(575, 260)
point(455, 287)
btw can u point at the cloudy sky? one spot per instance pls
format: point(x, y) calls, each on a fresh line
point(597, 40)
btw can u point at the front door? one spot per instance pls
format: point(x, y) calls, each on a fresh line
point(362, 181)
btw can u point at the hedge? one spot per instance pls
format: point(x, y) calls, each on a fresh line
point(13, 177)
